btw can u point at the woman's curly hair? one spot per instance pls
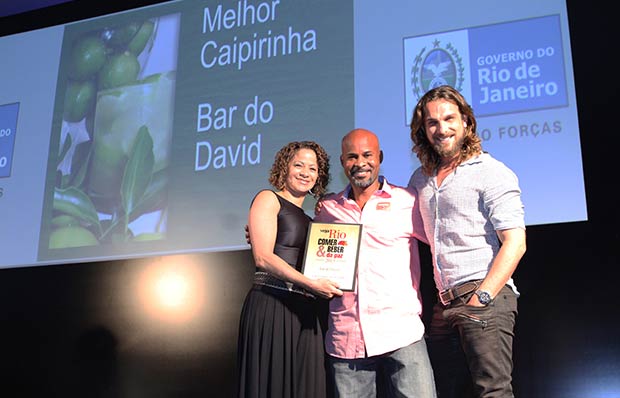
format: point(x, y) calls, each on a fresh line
point(429, 159)
point(279, 169)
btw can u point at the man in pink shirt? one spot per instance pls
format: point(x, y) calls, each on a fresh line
point(376, 330)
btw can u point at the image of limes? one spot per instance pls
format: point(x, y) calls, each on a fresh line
point(71, 236)
point(87, 56)
point(107, 102)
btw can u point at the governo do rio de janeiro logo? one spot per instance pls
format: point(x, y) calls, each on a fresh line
point(437, 66)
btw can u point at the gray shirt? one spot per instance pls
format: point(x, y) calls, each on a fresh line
point(462, 215)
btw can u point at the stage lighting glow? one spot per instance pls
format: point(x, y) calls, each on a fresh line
point(171, 289)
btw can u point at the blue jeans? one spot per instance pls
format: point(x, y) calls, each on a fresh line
point(405, 372)
point(471, 347)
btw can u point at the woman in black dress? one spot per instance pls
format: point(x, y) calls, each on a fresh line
point(280, 348)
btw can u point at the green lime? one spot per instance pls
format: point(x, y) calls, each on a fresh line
point(138, 42)
point(71, 236)
point(119, 70)
point(79, 100)
point(87, 56)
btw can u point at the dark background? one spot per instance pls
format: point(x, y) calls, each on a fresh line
point(77, 330)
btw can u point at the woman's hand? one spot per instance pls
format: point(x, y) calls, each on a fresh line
point(324, 288)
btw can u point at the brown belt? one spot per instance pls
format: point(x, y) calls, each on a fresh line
point(446, 296)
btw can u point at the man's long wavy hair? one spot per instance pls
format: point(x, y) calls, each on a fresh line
point(279, 169)
point(429, 158)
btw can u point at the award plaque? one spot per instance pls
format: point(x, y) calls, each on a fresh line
point(331, 253)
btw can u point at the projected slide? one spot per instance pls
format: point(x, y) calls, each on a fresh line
point(148, 132)
point(114, 148)
point(170, 122)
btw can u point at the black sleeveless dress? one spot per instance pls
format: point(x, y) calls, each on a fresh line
point(280, 351)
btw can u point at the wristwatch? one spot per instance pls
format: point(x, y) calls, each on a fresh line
point(483, 297)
